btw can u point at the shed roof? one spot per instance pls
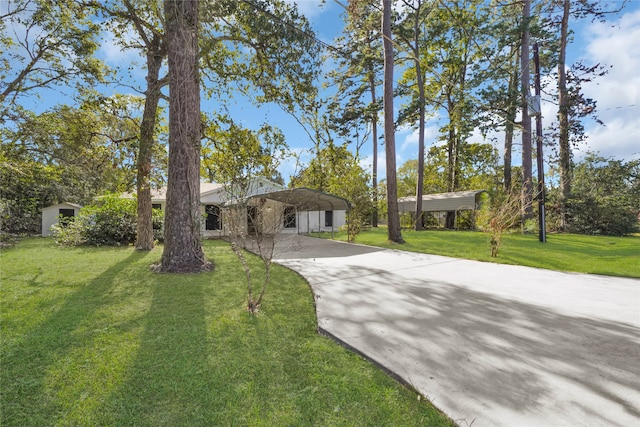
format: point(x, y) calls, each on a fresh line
point(307, 199)
point(454, 201)
point(59, 205)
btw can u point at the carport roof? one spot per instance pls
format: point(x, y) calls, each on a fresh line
point(307, 199)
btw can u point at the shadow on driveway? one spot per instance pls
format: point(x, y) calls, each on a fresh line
point(484, 358)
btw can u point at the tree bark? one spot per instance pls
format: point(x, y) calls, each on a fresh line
point(563, 117)
point(527, 170)
point(182, 249)
point(374, 136)
point(155, 55)
point(393, 230)
point(419, 224)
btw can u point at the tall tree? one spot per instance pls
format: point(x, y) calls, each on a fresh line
point(358, 77)
point(563, 115)
point(527, 170)
point(411, 33)
point(393, 231)
point(572, 106)
point(182, 248)
point(457, 34)
point(145, 21)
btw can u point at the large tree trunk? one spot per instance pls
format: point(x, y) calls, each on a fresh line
point(155, 55)
point(419, 224)
point(374, 136)
point(182, 248)
point(393, 231)
point(453, 150)
point(527, 171)
point(563, 117)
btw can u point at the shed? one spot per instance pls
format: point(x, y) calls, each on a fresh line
point(442, 202)
point(51, 215)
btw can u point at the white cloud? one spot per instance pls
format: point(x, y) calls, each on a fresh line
point(114, 54)
point(617, 93)
point(409, 141)
point(310, 8)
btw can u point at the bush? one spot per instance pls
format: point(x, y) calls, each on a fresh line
point(111, 222)
point(605, 197)
point(19, 216)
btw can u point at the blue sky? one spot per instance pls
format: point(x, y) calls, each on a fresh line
point(615, 43)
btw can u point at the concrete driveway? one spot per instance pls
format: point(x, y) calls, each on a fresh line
point(488, 344)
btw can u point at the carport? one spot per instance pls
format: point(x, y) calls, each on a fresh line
point(443, 202)
point(308, 200)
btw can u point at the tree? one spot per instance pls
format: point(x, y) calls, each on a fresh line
point(525, 83)
point(337, 171)
point(67, 154)
point(572, 106)
point(357, 76)
point(238, 157)
point(393, 230)
point(412, 35)
point(233, 154)
point(457, 35)
point(52, 45)
point(144, 20)
point(605, 197)
point(182, 249)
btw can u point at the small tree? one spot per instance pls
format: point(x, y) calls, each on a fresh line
point(502, 214)
point(239, 158)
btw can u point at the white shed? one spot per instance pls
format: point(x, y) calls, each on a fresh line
point(51, 215)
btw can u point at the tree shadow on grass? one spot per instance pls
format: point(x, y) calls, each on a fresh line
point(170, 381)
point(485, 358)
point(33, 365)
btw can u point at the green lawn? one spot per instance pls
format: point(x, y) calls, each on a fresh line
point(615, 256)
point(91, 337)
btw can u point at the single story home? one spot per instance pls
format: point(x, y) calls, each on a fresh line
point(51, 215)
point(266, 206)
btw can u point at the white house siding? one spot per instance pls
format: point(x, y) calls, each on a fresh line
point(51, 214)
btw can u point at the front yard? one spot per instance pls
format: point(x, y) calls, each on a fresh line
point(90, 336)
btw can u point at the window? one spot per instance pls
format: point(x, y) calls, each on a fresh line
point(289, 217)
point(328, 218)
point(156, 206)
point(66, 216)
point(213, 221)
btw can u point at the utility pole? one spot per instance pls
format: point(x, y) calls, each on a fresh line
point(542, 234)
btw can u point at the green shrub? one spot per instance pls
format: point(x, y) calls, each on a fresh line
point(605, 197)
point(111, 221)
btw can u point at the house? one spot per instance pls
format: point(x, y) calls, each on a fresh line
point(263, 206)
point(53, 214)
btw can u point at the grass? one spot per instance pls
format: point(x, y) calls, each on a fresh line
point(91, 337)
point(614, 256)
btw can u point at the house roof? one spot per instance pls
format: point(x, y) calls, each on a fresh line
point(455, 201)
point(160, 194)
point(307, 199)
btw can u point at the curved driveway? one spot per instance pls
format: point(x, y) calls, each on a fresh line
point(488, 344)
